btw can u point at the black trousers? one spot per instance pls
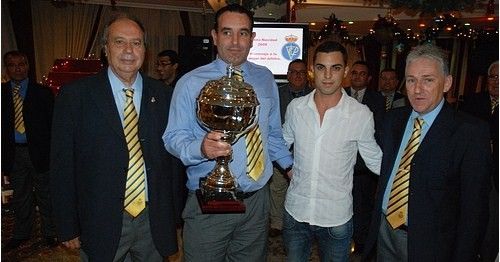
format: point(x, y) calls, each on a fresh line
point(30, 188)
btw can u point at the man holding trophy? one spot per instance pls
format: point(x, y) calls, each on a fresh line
point(235, 120)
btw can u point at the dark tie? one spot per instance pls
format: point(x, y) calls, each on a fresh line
point(135, 194)
point(494, 104)
point(255, 154)
point(397, 208)
point(355, 95)
point(18, 109)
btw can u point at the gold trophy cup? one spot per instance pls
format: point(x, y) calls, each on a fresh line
point(228, 106)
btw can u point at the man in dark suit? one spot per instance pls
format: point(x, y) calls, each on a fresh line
point(364, 181)
point(485, 106)
point(388, 85)
point(112, 187)
point(26, 122)
point(431, 202)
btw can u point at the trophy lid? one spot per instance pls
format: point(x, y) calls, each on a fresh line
point(228, 91)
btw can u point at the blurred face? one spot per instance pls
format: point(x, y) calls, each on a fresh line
point(426, 84)
point(125, 49)
point(297, 76)
point(493, 81)
point(233, 38)
point(329, 71)
point(388, 81)
point(359, 77)
point(16, 67)
point(165, 68)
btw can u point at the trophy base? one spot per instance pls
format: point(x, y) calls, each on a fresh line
point(221, 205)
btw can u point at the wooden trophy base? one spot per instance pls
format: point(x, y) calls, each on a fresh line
point(219, 206)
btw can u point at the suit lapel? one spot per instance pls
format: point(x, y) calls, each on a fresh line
point(147, 97)
point(441, 128)
point(105, 101)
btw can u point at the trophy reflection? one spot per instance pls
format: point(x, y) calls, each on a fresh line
point(228, 106)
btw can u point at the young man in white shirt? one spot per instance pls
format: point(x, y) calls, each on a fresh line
point(327, 128)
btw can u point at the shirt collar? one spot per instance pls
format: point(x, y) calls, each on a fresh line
point(431, 116)
point(117, 84)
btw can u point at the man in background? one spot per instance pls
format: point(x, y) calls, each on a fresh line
point(297, 86)
point(484, 105)
point(388, 84)
point(365, 181)
point(26, 126)
point(167, 67)
point(432, 198)
point(112, 183)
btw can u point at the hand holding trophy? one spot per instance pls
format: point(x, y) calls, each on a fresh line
point(228, 106)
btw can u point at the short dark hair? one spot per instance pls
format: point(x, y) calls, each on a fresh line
point(120, 16)
point(331, 46)
point(14, 53)
point(298, 61)
point(361, 62)
point(233, 8)
point(174, 58)
point(389, 70)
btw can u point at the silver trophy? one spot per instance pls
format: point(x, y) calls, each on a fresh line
point(228, 106)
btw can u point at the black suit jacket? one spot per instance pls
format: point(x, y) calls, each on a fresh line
point(448, 198)
point(479, 105)
point(37, 114)
point(376, 103)
point(90, 159)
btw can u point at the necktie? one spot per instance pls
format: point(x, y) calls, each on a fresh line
point(18, 109)
point(135, 195)
point(398, 201)
point(388, 103)
point(254, 148)
point(355, 95)
point(494, 104)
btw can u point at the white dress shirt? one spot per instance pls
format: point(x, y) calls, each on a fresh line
point(320, 191)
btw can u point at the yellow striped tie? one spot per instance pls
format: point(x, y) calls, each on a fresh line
point(397, 208)
point(18, 109)
point(388, 103)
point(255, 150)
point(135, 194)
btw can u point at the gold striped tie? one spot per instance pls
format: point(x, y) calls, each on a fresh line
point(388, 103)
point(135, 194)
point(18, 109)
point(255, 150)
point(397, 208)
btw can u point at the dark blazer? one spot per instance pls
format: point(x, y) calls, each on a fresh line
point(376, 103)
point(89, 163)
point(448, 199)
point(286, 97)
point(399, 100)
point(479, 105)
point(37, 115)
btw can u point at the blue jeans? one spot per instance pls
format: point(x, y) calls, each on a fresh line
point(333, 242)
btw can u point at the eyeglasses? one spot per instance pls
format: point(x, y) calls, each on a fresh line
point(295, 72)
point(492, 77)
point(122, 43)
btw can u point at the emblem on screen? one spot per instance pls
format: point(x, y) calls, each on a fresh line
point(291, 51)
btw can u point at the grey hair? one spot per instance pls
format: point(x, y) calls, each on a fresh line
point(120, 16)
point(432, 52)
point(491, 66)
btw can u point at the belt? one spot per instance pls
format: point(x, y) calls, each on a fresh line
point(21, 144)
point(245, 195)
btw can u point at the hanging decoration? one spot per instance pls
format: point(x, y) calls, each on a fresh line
point(333, 27)
point(433, 6)
point(253, 4)
point(386, 29)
